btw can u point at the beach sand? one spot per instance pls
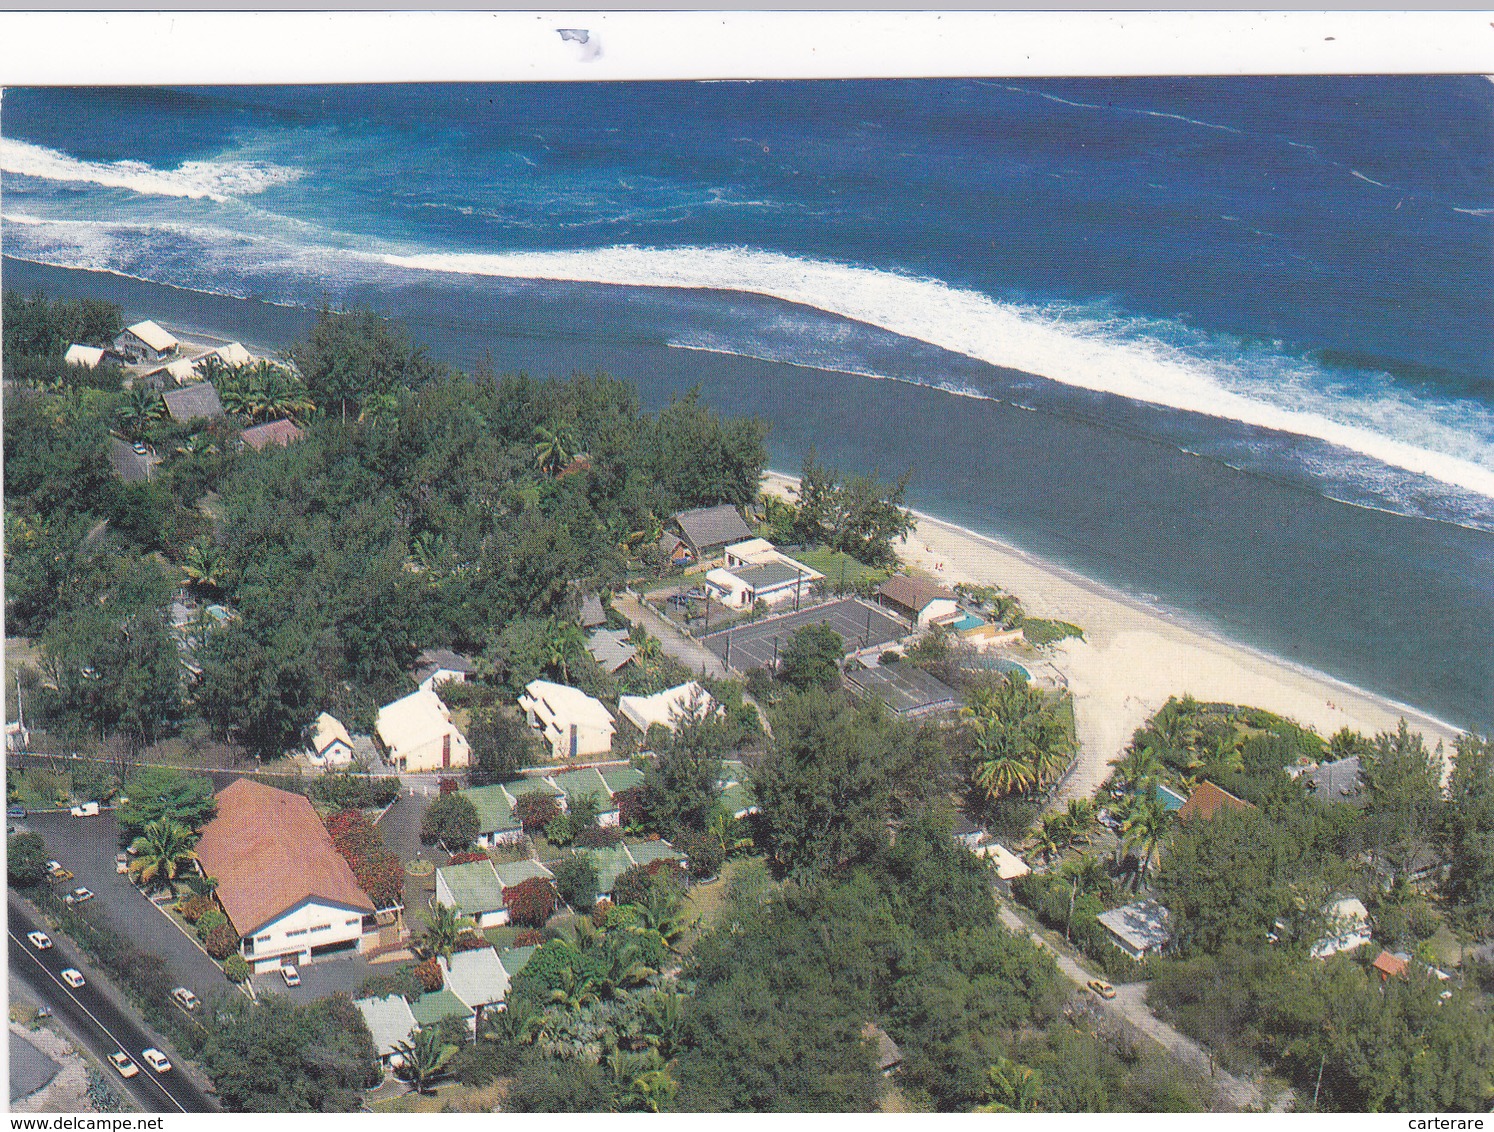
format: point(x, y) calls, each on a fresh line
point(1134, 657)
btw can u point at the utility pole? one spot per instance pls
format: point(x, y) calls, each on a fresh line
point(727, 659)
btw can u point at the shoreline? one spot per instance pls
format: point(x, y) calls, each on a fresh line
point(1135, 655)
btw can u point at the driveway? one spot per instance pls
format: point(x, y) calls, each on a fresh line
point(87, 846)
point(1130, 1004)
point(693, 655)
point(400, 824)
point(344, 973)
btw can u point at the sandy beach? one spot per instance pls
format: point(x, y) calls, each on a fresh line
point(1134, 657)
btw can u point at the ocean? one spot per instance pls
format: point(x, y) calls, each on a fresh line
point(1223, 344)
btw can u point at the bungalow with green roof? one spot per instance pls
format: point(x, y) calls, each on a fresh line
point(496, 822)
point(611, 862)
point(473, 890)
point(515, 959)
point(647, 852)
point(476, 977)
point(738, 799)
point(620, 778)
point(580, 783)
point(521, 786)
point(511, 873)
point(435, 1007)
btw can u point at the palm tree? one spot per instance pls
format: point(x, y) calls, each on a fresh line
point(142, 405)
point(205, 565)
point(1079, 820)
point(642, 1081)
point(162, 852)
point(379, 408)
point(552, 449)
point(664, 916)
point(724, 831)
point(1052, 837)
point(422, 1060)
point(213, 368)
point(429, 556)
point(198, 444)
point(563, 640)
point(1141, 767)
point(573, 991)
point(1012, 1088)
point(1144, 831)
point(1020, 738)
point(444, 927)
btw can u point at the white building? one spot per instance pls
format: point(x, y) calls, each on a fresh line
point(772, 581)
point(181, 371)
point(1138, 929)
point(751, 552)
point(574, 724)
point(330, 744)
point(1348, 927)
point(665, 709)
point(418, 735)
point(233, 354)
point(145, 342)
point(89, 357)
point(389, 1021)
point(285, 888)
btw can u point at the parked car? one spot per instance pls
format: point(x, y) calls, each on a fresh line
point(39, 940)
point(85, 810)
point(185, 998)
point(291, 976)
point(15, 812)
point(62, 875)
point(1101, 988)
point(121, 862)
point(155, 1059)
point(77, 896)
point(73, 977)
point(53, 866)
point(122, 1062)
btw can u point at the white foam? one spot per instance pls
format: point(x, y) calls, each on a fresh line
point(197, 180)
point(965, 322)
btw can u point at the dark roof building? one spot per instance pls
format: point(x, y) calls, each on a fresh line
point(432, 661)
point(908, 692)
point(1337, 781)
point(592, 613)
point(271, 432)
point(611, 649)
point(911, 596)
point(191, 402)
point(709, 530)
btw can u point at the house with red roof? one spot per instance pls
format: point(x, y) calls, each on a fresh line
point(1208, 800)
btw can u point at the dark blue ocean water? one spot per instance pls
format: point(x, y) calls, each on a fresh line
point(1223, 342)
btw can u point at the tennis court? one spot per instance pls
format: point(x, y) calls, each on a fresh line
point(862, 625)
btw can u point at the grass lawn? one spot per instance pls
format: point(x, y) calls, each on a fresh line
point(858, 575)
point(703, 901)
point(410, 1103)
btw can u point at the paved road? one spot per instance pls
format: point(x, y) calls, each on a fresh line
point(87, 846)
point(685, 649)
point(1130, 1004)
point(96, 1018)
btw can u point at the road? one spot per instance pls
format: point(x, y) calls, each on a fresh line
point(92, 1016)
point(87, 846)
point(693, 655)
point(1130, 1004)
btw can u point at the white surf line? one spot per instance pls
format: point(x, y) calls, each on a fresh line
point(67, 990)
point(962, 321)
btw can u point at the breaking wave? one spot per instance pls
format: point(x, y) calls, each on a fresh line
point(197, 180)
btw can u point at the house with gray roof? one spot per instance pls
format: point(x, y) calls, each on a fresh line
point(592, 614)
point(438, 666)
point(390, 1022)
point(1339, 781)
point(708, 531)
point(611, 649)
point(129, 465)
point(1138, 929)
point(476, 977)
point(193, 402)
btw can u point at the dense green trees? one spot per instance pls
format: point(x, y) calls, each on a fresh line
point(859, 514)
point(1470, 832)
point(451, 820)
point(1403, 796)
point(159, 793)
point(38, 327)
point(812, 657)
point(682, 784)
point(25, 859)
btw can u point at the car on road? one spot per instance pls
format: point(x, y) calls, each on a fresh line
point(39, 940)
point(58, 873)
point(85, 810)
point(121, 1061)
point(185, 998)
point(291, 976)
point(121, 863)
point(1101, 988)
point(53, 866)
point(73, 977)
point(15, 811)
point(77, 896)
point(155, 1059)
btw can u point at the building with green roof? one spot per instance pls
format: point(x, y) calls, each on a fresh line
point(647, 852)
point(511, 873)
point(433, 1008)
point(620, 778)
point(521, 786)
point(611, 862)
point(496, 823)
point(515, 959)
point(579, 783)
point(738, 799)
point(473, 890)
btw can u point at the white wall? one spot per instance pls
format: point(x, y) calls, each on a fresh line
point(291, 935)
point(427, 756)
point(938, 608)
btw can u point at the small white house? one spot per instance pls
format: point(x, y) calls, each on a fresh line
point(751, 552)
point(145, 342)
point(389, 1021)
point(772, 581)
point(1348, 927)
point(666, 709)
point(418, 735)
point(89, 357)
point(232, 354)
point(181, 371)
point(574, 724)
point(330, 744)
point(1138, 929)
point(477, 978)
point(435, 667)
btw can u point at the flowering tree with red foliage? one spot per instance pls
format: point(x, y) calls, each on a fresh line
point(468, 858)
point(530, 903)
point(428, 974)
point(449, 786)
point(536, 810)
point(222, 942)
point(529, 938)
point(599, 912)
point(382, 877)
point(632, 806)
point(379, 871)
point(470, 941)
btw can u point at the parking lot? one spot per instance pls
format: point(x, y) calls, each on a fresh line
point(322, 977)
point(756, 645)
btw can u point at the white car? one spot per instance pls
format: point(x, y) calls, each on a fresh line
point(39, 940)
point(155, 1059)
point(121, 863)
point(185, 998)
point(53, 866)
point(77, 896)
point(291, 976)
point(122, 1062)
point(73, 977)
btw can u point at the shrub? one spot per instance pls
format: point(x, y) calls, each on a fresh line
point(26, 859)
point(704, 853)
point(535, 811)
point(448, 786)
point(530, 903)
point(221, 942)
point(638, 883)
point(194, 908)
point(560, 831)
point(469, 941)
point(576, 878)
point(212, 918)
point(468, 858)
point(451, 820)
point(236, 967)
point(402, 982)
point(529, 938)
point(599, 912)
point(385, 790)
point(598, 837)
point(632, 806)
point(428, 975)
